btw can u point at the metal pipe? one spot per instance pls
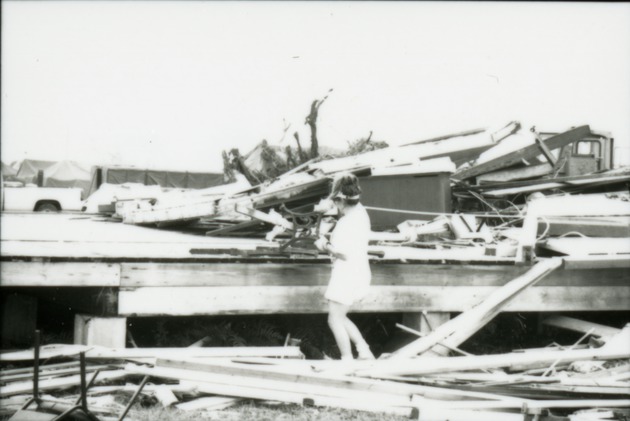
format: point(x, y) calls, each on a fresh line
point(83, 386)
point(133, 398)
point(36, 367)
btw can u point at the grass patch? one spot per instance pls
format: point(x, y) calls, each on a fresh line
point(250, 411)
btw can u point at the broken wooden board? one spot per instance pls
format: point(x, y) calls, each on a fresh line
point(191, 301)
point(457, 330)
point(513, 361)
point(44, 274)
point(587, 246)
point(513, 174)
point(580, 326)
point(58, 383)
point(529, 152)
point(98, 352)
point(239, 386)
point(212, 403)
point(304, 373)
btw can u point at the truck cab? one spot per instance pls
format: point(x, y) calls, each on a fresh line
point(15, 196)
point(591, 154)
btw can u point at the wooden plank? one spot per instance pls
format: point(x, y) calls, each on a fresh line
point(59, 274)
point(513, 361)
point(545, 150)
point(273, 218)
point(572, 179)
point(532, 404)
point(208, 403)
point(588, 246)
point(306, 274)
point(266, 372)
point(581, 326)
point(58, 383)
point(457, 330)
point(512, 174)
point(47, 374)
point(301, 398)
point(306, 390)
point(526, 153)
point(99, 352)
point(303, 299)
point(129, 250)
point(603, 271)
point(444, 414)
point(597, 262)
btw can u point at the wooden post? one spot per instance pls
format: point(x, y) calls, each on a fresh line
point(104, 331)
point(99, 177)
point(456, 331)
point(40, 178)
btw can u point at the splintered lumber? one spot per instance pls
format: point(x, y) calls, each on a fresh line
point(165, 396)
point(526, 153)
point(45, 352)
point(457, 330)
point(272, 217)
point(443, 414)
point(50, 373)
point(42, 367)
point(239, 386)
point(294, 374)
point(268, 384)
point(531, 404)
point(58, 383)
point(512, 174)
point(615, 348)
point(208, 403)
point(97, 352)
point(581, 326)
point(186, 389)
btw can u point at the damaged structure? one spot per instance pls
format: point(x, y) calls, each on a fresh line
point(475, 223)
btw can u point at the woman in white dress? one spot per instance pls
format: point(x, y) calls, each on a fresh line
point(351, 275)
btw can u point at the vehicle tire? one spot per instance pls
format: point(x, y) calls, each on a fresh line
point(47, 207)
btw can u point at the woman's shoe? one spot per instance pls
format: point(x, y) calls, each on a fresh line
point(365, 353)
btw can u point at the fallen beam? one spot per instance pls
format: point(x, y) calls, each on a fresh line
point(297, 374)
point(281, 391)
point(615, 348)
point(208, 403)
point(581, 326)
point(58, 383)
point(97, 352)
point(454, 332)
point(526, 153)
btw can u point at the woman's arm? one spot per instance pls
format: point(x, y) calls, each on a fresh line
point(324, 245)
point(335, 253)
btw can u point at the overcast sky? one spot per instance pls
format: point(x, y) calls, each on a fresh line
point(171, 84)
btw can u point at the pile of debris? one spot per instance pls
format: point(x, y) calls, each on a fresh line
point(587, 380)
point(483, 187)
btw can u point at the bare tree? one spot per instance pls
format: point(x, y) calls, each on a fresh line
point(311, 120)
point(301, 154)
point(233, 161)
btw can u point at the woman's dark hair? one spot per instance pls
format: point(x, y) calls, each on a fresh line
point(348, 186)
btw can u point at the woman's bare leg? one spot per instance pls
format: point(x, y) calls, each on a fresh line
point(355, 336)
point(353, 331)
point(336, 321)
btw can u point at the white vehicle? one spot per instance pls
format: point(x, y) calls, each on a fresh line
point(31, 198)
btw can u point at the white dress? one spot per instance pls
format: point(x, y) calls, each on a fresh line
point(350, 278)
